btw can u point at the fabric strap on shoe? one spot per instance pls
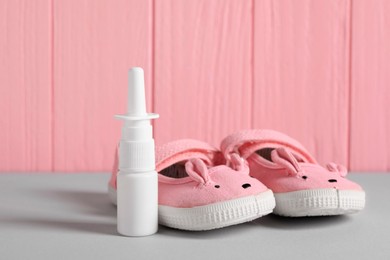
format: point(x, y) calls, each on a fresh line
point(249, 141)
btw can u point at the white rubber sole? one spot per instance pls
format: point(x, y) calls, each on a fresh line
point(320, 202)
point(216, 215)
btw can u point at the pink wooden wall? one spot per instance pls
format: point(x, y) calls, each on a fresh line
point(316, 70)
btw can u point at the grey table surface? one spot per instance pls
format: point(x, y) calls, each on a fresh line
point(69, 216)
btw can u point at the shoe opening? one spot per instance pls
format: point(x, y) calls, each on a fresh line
point(176, 171)
point(265, 153)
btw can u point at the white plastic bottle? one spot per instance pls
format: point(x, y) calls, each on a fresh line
point(137, 184)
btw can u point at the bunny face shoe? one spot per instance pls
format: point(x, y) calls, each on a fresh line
point(301, 186)
point(198, 192)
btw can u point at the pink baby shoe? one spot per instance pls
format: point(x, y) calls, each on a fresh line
point(301, 186)
point(197, 191)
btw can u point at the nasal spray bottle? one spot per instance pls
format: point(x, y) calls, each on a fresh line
point(137, 178)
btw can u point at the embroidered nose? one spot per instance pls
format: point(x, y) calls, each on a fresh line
point(246, 185)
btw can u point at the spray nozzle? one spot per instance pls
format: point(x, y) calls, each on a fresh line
point(136, 93)
point(136, 107)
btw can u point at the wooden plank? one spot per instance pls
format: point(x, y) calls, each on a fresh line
point(94, 46)
point(202, 68)
point(301, 58)
point(370, 93)
point(25, 89)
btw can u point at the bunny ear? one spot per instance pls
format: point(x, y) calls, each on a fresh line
point(333, 167)
point(197, 170)
point(238, 163)
point(286, 159)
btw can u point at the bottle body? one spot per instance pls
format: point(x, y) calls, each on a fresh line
point(137, 200)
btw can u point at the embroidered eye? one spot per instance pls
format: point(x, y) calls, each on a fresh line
point(304, 177)
point(246, 185)
point(332, 180)
point(217, 186)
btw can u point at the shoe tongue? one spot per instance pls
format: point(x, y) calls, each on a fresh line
point(281, 156)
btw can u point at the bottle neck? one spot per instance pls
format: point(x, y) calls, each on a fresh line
point(137, 130)
point(136, 147)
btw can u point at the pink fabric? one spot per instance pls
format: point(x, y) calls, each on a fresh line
point(317, 177)
point(337, 168)
point(285, 159)
point(285, 172)
point(247, 142)
point(223, 184)
point(198, 171)
point(209, 181)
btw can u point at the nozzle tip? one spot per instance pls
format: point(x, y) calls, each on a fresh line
point(136, 70)
point(136, 96)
